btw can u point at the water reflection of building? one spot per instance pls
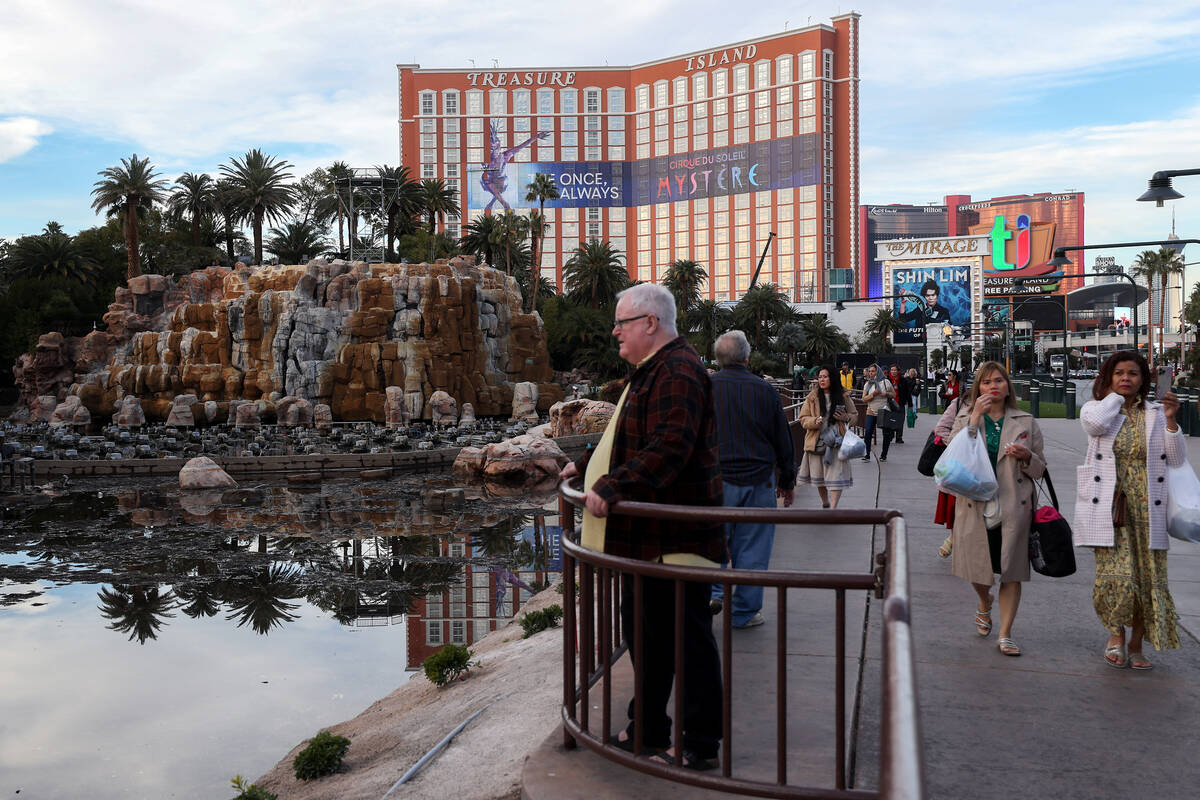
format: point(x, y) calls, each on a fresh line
point(485, 596)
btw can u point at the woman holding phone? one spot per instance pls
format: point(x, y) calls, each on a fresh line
point(1121, 506)
point(828, 405)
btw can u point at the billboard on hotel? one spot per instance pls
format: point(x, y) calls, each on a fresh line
point(721, 171)
point(946, 290)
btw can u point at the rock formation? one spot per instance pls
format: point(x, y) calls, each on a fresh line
point(322, 416)
point(181, 413)
point(522, 459)
point(577, 417)
point(130, 413)
point(43, 408)
point(444, 409)
point(204, 473)
point(468, 415)
point(336, 334)
point(525, 402)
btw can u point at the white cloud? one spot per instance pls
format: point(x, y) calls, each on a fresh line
point(19, 135)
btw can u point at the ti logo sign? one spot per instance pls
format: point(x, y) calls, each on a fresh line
point(1000, 236)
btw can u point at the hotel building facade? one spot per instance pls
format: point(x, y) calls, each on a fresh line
point(699, 156)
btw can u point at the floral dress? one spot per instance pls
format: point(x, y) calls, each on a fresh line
point(1131, 579)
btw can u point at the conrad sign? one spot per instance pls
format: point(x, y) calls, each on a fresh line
point(945, 247)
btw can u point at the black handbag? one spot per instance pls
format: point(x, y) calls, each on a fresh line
point(891, 417)
point(1051, 552)
point(930, 454)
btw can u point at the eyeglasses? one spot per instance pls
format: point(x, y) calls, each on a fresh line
point(620, 323)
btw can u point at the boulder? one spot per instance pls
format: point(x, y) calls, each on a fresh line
point(247, 416)
point(468, 415)
point(204, 473)
point(523, 459)
point(64, 412)
point(524, 404)
point(181, 410)
point(130, 413)
point(81, 417)
point(469, 462)
point(444, 409)
point(323, 416)
point(294, 411)
point(43, 408)
point(394, 407)
point(578, 417)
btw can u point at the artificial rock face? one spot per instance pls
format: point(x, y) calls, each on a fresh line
point(337, 334)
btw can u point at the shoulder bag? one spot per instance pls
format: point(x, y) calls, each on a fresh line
point(930, 454)
point(1050, 550)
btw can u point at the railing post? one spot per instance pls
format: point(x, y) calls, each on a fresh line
point(566, 518)
point(1185, 411)
point(1194, 413)
point(1070, 401)
point(1035, 399)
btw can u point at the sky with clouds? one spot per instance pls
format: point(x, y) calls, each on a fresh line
point(979, 99)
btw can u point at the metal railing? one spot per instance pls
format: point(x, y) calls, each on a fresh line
point(593, 645)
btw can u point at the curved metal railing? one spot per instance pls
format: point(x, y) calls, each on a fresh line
point(593, 645)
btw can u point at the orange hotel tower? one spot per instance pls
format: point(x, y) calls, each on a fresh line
point(698, 156)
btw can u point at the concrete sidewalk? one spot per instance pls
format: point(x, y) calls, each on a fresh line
point(1056, 722)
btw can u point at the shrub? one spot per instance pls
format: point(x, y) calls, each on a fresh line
point(538, 621)
point(249, 791)
point(452, 661)
point(322, 757)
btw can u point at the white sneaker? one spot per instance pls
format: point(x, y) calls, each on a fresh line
point(753, 622)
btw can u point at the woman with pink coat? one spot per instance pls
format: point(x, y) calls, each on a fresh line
point(1121, 507)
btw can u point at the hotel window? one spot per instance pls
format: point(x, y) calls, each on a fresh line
point(741, 78)
point(545, 123)
point(521, 124)
point(662, 240)
point(681, 224)
point(524, 154)
point(569, 100)
point(545, 153)
point(642, 94)
point(643, 227)
point(679, 113)
point(428, 171)
point(474, 125)
point(784, 95)
point(616, 138)
point(742, 215)
point(643, 151)
point(700, 142)
point(699, 86)
point(452, 170)
point(450, 140)
point(680, 129)
point(661, 117)
point(616, 153)
point(763, 201)
point(681, 87)
point(720, 82)
point(721, 235)
point(545, 101)
point(644, 274)
point(660, 94)
point(616, 228)
point(701, 220)
point(762, 231)
point(591, 123)
point(700, 252)
point(783, 112)
point(662, 149)
point(591, 154)
point(700, 125)
point(762, 74)
point(762, 132)
point(701, 235)
point(521, 101)
point(569, 123)
point(721, 204)
point(783, 69)
point(475, 156)
point(428, 140)
point(548, 141)
point(720, 123)
point(808, 91)
point(643, 120)
point(807, 108)
point(429, 156)
point(741, 250)
point(762, 115)
point(458, 632)
point(808, 125)
point(427, 103)
point(741, 102)
point(741, 201)
point(660, 132)
point(662, 225)
point(785, 247)
point(593, 230)
point(474, 101)
point(450, 126)
point(450, 102)
point(616, 123)
point(827, 64)
point(592, 138)
point(570, 230)
point(808, 65)
point(429, 126)
point(723, 283)
point(474, 140)
point(720, 107)
point(741, 119)
point(433, 633)
point(616, 101)
point(591, 101)
point(762, 99)
point(643, 135)
point(721, 252)
point(700, 110)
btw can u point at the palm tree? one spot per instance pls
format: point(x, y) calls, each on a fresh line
point(192, 197)
point(822, 339)
point(478, 237)
point(511, 232)
point(541, 189)
point(263, 601)
point(790, 340)
point(762, 309)
point(260, 183)
point(435, 201)
point(53, 254)
point(595, 273)
point(226, 203)
point(339, 171)
point(401, 198)
point(136, 610)
point(1162, 263)
point(684, 279)
point(294, 241)
point(707, 320)
point(879, 329)
point(125, 190)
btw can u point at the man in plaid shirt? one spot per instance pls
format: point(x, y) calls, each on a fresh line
point(661, 447)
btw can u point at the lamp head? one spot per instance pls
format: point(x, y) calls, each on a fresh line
point(1060, 260)
point(838, 306)
point(1160, 189)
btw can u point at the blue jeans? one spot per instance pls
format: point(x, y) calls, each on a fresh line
point(750, 544)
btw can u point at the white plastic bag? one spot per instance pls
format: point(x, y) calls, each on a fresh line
point(852, 446)
point(964, 469)
point(1183, 503)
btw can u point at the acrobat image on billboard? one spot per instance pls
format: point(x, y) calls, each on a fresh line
point(946, 292)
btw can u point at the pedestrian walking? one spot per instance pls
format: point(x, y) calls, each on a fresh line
point(951, 389)
point(827, 407)
point(903, 395)
point(1121, 507)
point(877, 390)
point(992, 538)
point(755, 444)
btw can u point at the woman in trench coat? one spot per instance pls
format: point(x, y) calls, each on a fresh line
point(1014, 444)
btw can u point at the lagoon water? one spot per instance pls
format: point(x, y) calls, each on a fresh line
point(155, 645)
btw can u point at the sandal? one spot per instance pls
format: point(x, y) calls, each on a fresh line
point(946, 548)
point(983, 620)
point(1139, 661)
point(690, 761)
point(1114, 656)
point(1008, 647)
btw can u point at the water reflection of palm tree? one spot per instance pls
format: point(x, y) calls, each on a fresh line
point(137, 610)
point(262, 601)
point(199, 599)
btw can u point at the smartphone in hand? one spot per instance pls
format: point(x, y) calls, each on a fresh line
point(1165, 377)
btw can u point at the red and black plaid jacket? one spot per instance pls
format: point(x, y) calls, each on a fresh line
point(665, 451)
